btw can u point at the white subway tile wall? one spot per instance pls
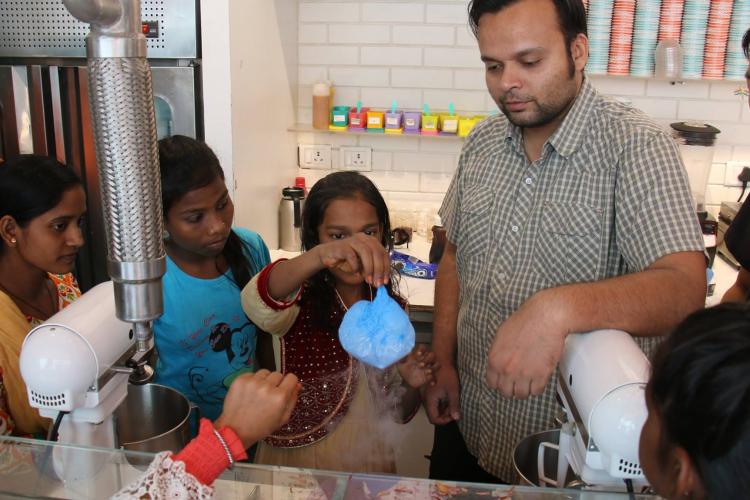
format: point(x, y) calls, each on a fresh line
point(421, 52)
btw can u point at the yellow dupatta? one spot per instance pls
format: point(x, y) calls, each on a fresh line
point(13, 329)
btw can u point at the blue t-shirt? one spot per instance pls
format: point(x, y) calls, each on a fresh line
point(204, 338)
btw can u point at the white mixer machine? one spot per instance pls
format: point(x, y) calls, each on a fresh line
point(601, 383)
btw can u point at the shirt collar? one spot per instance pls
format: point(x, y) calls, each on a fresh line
point(569, 135)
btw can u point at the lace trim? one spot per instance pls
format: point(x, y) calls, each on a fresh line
point(166, 478)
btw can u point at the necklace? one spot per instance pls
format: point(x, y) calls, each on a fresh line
point(342, 300)
point(16, 298)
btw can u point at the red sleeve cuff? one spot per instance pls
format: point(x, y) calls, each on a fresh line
point(265, 296)
point(205, 458)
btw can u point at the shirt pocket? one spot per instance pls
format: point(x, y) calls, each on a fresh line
point(568, 246)
point(475, 231)
point(475, 220)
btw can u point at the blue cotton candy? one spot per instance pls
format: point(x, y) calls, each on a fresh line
point(378, 333)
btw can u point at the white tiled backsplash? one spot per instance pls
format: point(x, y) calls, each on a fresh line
point(422, 52)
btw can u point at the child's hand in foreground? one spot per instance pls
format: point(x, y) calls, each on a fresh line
point(418, 367)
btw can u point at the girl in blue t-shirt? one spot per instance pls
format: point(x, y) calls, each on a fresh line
point(204, 339)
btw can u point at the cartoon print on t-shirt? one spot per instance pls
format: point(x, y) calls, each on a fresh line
point(207, 386)
point(211, 386)
point(237, 345)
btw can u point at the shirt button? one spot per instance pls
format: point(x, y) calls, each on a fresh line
point(514, 228)
point(528, 180)
point(502, 276)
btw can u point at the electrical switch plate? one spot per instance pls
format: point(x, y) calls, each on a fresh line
point(732, 171)
point(356, 158)
point(314, 156)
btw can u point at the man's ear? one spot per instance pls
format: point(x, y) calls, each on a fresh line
point(8, 230)
point(579, 50)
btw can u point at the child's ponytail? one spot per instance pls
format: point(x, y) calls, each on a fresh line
point(240, 261)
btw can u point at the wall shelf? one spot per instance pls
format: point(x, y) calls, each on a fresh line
point(308, 128)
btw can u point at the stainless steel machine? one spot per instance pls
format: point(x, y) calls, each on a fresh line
point(73, 363)
point(44, 94)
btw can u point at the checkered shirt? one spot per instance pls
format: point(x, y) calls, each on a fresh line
point(609, 196)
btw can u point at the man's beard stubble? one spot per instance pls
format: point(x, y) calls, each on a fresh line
point(545, 114)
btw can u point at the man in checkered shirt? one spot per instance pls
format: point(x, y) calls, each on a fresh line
point(568, 213)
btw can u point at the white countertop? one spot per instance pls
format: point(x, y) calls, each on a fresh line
point(420, 292)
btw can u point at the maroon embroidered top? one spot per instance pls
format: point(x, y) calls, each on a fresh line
point(327, 373)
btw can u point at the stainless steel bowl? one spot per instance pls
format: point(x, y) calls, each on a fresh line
point(153, 418)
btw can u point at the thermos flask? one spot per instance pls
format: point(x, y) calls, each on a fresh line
point(290, 218)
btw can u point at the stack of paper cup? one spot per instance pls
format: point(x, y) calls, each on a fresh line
point(645, 31)
point(693, 36)
point(670, 20)
point(717, 36)
point(599, 20)
point(735, 63)
point(621, 39)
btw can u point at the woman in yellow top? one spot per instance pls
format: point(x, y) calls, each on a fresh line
point(42, 203)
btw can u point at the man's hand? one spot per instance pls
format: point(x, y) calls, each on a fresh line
point(441, 399)
point(257, 404)
point(526, 349)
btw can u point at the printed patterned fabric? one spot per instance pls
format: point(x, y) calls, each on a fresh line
point(67, 291)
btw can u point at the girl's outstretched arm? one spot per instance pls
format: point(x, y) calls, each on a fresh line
point(361, 254)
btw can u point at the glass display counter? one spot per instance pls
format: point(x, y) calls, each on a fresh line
point(38, 469)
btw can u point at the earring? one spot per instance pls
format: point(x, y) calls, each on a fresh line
point(165, 235)
point(13, 240)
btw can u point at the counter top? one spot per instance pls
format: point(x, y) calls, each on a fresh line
point(94, 473)
point(421, 292)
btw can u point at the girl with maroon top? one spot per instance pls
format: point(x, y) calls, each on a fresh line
point(346, 238)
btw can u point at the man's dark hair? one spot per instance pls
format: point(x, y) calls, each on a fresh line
point(570, 13)
point(746, 44)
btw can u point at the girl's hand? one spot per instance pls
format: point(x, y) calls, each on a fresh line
point(258, 403)
point(419, 367)
point(361, 254)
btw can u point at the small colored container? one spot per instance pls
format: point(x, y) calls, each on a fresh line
point(375, 121)
point(358, 121)
point(339, 118)
point(466, 123)
point(429, 124)
point(412, 122)
point(394, 122)
point(448, 124)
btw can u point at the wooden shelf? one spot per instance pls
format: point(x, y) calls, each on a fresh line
point(307, 128)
